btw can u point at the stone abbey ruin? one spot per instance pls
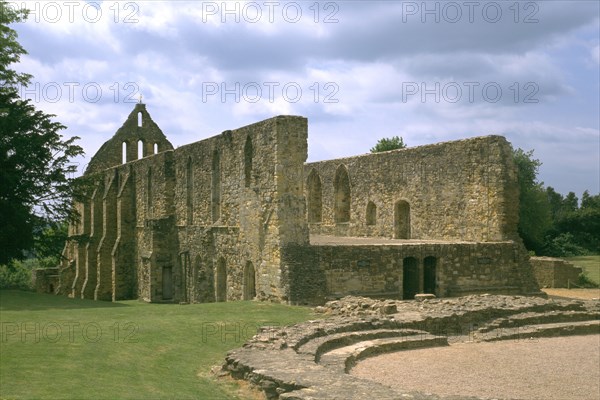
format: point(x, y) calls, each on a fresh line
point(241, 215)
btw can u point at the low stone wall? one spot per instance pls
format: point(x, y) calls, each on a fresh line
point(45, 280)
point(554, 272)
point(401, 271)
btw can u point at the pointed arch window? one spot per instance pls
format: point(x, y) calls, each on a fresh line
point(342, 196)
point(371, 213)
point(315, 197)
point(140, 149)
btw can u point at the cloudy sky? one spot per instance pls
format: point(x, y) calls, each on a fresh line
point(358, 70)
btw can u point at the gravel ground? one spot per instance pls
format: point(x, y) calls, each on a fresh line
point(560, 368)
point(584, 294)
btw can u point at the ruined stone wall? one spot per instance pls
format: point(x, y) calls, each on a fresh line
point(138, 130)
point(201, 223)
point(46, 280)
point(155, 240)
point(227, 218)
point(401, 271)
point(460, 190)
point(238, 198)
point(554, 272)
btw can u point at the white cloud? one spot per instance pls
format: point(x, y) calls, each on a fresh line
point(172, 52)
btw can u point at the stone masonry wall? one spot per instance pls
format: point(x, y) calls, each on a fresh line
point(201, 223)
point(260, 206)
point(443, 269)
point(228, 218)
point(460, 190)
point(554, 272)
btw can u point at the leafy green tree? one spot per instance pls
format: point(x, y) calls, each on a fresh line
point(570, 203)
point(563, 245)
point(556, 201)
point(535, 211)
point(10, 49)
point(588, 201)
point(49, 241)
point(386, 144)
point(37, 182)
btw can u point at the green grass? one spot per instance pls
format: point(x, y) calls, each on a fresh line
point(590, 265)
point(53, 347)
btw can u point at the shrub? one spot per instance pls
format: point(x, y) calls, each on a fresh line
point(564, 245)
point(16, 275)
point(585, 281)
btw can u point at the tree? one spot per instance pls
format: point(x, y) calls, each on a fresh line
point(555, 200)
point(588, 201)
point(534, 212)
point(386, 144)
point(36, 178)
point(10, 49)
point(571, 202)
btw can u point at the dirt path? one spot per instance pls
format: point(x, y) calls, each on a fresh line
point(585, 294)
point(550, 369)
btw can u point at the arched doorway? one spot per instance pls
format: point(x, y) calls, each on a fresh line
point(402, 220)
point(410, 278)
point(167, 283)
point(249, 281)
point(221, 292)
point(429, 275)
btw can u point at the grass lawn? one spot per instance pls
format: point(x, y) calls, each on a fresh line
point(53, 347)
point(590, 265)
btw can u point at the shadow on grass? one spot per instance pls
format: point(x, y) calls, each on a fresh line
point(15, 300)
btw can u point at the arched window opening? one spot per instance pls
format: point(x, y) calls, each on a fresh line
point(221, 287)
point(341, 187)
point(216, 187)
point(124, 152)
point(410, 278)
point(248, 153)
point(249, 281)
point(189, 188)
point(429, 274)
point(402, 220)
point(140, 145)
point(155, 148)
point(140, 119)
point(315, 199)
point(371, 213)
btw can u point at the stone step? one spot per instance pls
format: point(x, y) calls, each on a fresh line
point(343, 359)
point(540, 330)
point(533, 318)
point(318, 346)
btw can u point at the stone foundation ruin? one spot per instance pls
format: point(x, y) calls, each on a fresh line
point(313, 360)
point(241, 215)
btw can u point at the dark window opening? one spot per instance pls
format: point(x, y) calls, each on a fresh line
point(315, 200)
point(342, 195)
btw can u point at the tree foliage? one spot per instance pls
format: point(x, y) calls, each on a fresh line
point(581, 223)
point(36, 177)
point(386, 144)
point(552, 224)
point(534, 212)
point(10, 49)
